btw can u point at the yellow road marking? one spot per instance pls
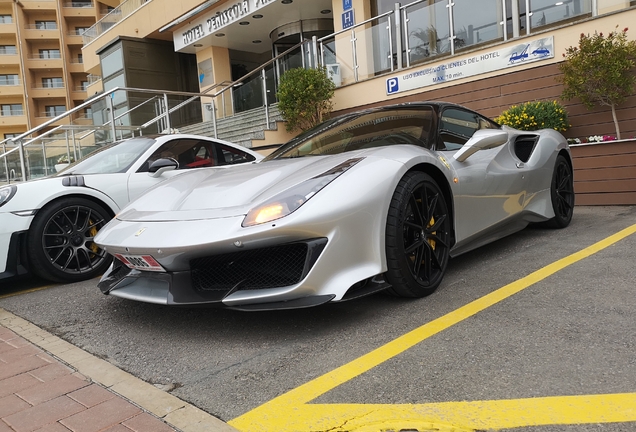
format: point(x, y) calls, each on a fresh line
point(291, 412)
point(26, 291)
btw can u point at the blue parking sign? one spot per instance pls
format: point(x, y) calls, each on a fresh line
point(347, 19)
point(392, 85)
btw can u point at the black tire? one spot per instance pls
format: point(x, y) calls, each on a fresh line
point(60, 240)
point(562, 194)
point(417, 237)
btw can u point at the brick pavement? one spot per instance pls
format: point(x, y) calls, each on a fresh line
point(49, 385)
point(39, 393)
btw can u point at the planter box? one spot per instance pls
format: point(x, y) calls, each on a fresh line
point(605, 173)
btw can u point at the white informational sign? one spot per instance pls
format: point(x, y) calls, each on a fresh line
point(527, 52)
point(215, 20)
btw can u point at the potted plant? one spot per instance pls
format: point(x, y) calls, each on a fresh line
point(600, 72)
point(63, 161)
point(531, 116)
point(304, 97)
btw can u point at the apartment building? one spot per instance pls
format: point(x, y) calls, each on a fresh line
point(41, 62)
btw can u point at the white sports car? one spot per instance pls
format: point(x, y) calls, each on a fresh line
point(47, 225)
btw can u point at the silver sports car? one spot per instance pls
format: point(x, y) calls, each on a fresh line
point(368, 201)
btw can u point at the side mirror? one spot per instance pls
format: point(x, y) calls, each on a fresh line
point(162, 165)
point(481, 140)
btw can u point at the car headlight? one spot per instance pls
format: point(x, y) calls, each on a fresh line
point(290, 200)
point(6, 193)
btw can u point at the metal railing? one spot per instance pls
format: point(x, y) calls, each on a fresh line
point(78, 4)
point(29, 154)
point(125, 9)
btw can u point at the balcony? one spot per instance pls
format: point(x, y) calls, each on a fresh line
point(79, 92)
point(9, 59)
point(39, 5)
point(34, 32)
point(14, 89)
point(40, 92)
point(78, 9)
point(43, 118)
point(13, 120)
point(36, 61)
point(76, 65)
point(110, 18)
point(72, 38)
point(7, 28)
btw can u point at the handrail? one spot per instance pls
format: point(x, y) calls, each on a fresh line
point(261, 67)
point(107, 96)
point(228, 85)
point(182, 104)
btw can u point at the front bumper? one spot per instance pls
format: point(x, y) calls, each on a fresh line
point(13, 231)
point(212, 280)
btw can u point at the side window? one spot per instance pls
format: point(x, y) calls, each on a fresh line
point(189, 153)
point(230, 155)
point(456, 127)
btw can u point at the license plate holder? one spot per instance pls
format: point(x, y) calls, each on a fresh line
point(140, 262)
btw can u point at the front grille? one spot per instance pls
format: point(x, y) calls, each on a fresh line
point(271, 267)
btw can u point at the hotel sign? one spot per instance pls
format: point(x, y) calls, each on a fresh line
point(517, 55)
point(214, 21)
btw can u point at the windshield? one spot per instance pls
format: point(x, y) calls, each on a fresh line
point(112, 158)
point(355, 132)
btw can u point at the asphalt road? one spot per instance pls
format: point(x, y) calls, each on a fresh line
point(570, 334)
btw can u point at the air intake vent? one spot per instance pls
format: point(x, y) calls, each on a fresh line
point(524, 145)
point(271, 267)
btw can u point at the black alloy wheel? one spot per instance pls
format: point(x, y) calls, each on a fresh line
point(61, 246)
point(418, 237)
point(562, 193)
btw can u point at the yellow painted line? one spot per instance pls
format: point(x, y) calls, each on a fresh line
point(460, 416)
point(26, 291)
point(278, 414)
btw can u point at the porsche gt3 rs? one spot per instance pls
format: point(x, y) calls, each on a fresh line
point(368, 201)
point(47, 226)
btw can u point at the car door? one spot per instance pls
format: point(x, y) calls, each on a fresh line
point(491, 185)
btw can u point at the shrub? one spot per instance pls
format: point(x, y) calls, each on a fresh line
point(530, 116)
point(64, 159)
point(304, 97)
point(600, 71)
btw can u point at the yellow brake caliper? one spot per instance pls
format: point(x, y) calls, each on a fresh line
point(93, 233)
point(430, 224)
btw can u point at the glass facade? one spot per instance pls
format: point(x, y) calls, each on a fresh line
point(426, 30)
point(112, 63)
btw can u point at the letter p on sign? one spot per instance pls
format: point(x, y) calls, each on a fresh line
point(392, 85)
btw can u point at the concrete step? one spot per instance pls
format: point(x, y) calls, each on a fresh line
point(241, 128)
